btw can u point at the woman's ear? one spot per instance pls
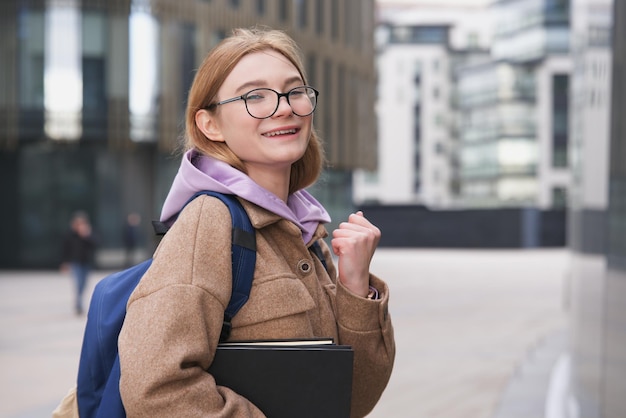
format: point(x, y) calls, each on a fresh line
point(207, 123)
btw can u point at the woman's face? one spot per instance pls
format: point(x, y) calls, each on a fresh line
point(266, 146)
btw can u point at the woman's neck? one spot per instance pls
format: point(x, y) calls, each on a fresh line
point(273, 180)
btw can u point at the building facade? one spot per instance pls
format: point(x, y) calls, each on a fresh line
point(597, 213)
point(92, 97)
point(473, 106)
point(417, 47)
point(513, 110)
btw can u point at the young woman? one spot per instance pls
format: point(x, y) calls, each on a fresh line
point(249, 132)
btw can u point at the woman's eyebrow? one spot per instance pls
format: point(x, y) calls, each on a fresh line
point(292, 80)
point(249, 85)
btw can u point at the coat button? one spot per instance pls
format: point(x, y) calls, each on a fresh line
point(304, 266)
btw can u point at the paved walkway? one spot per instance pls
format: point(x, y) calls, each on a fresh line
point(468, 325)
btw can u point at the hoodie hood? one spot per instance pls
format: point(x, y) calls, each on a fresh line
point(199, 172)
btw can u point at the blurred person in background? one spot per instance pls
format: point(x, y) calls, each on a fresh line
point(77, 255)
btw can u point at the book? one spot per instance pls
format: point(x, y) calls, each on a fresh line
point(293, 343)
point(288, 378)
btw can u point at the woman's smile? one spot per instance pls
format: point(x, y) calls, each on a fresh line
point(281, 133)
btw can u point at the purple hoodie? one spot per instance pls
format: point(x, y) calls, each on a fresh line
point(199, 172)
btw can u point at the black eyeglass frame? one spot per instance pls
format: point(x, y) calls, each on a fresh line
point(244, 97)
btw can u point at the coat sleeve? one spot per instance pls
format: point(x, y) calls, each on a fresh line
point(174, 319)
point(366, 326)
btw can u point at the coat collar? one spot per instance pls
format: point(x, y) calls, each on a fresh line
point(261, 217)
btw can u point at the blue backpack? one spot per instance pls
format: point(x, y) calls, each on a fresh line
point(97, 390)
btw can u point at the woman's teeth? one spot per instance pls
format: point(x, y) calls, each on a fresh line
point(283, 132)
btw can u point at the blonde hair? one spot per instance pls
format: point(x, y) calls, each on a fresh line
point(211, 74)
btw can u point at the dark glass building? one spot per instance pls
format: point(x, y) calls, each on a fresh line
point(92, 98)
point(598, 214)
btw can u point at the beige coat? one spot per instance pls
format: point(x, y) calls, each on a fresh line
point(175, 315)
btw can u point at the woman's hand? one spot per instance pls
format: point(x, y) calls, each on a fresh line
point(354, 242)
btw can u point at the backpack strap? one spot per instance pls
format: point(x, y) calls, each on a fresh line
point(244, 259)
point(243, 254)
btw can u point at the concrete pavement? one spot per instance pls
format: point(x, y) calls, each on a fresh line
point(478, 334)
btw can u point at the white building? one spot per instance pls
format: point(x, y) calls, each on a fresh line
point(527, 142)
point(415, 113)
point(472, 106)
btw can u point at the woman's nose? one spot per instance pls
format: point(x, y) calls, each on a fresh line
point(284, 108)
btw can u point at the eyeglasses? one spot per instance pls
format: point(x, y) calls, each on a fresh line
point(263, 103)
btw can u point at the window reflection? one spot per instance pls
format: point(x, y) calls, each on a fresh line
point(143, 84)
point(63, 87)
point(31, 69)
point(31, 49)
point(187, 48)
point(95, 103)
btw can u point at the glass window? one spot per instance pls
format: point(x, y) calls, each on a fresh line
point(334, 17)
point(557, 11)
point(417, 175)
point(63, 84)
point(479, 160)
point(312, 69)
point(433, 35)
point(516, 155)
point(94, 50)
point(187, 62)
point(417, 125)
point(326, 110)
point(371, 177)
point(360, 16)
point(143, 82)
point(472, 40)
point(517, 189)
point(516, 119)
point(559, 197)
point(31, 51)
point(31, 72)
point(319, 15)
point(560, 117)
point(347, 22)
point(302, 12)
point(401, 34)
point(283, 10)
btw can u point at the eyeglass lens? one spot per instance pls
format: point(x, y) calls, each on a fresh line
point(263, 103)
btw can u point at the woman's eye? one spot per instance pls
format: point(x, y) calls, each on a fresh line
point(255, 96)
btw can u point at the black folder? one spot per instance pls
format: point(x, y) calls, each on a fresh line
point(288, 380)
